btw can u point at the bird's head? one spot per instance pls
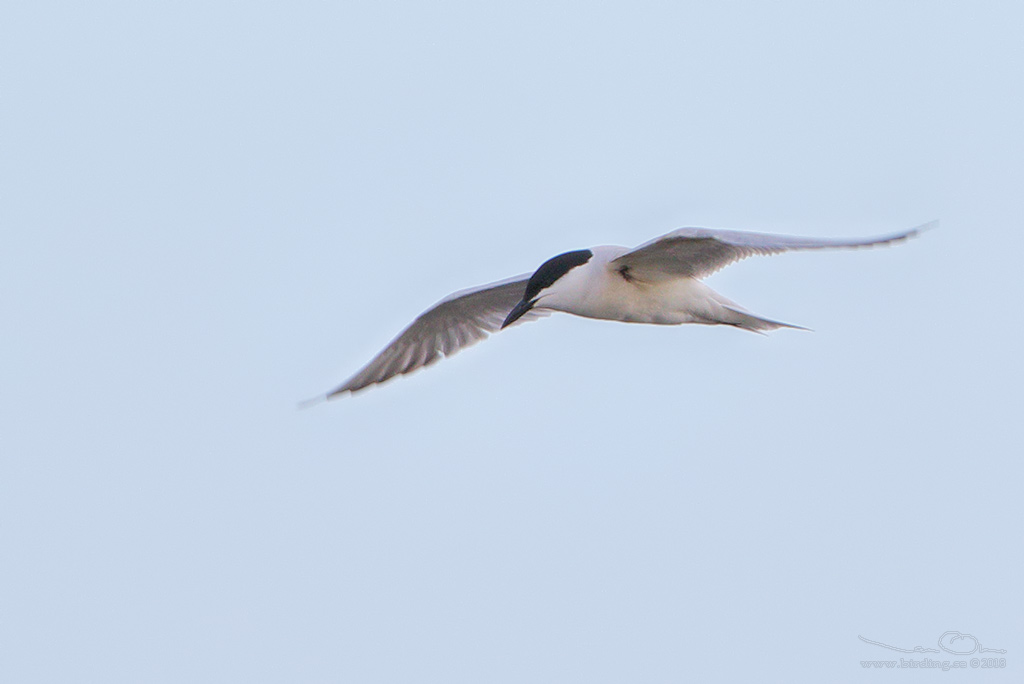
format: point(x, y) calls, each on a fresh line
point(547, 280)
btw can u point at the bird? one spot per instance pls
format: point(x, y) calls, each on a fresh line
point(659, 282)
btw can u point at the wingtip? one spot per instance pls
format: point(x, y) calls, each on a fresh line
point(930, 225)
point(313, 401)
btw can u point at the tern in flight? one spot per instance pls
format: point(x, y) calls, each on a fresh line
point(658, 282)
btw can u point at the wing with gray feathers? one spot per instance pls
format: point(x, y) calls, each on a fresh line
point(457, 321)
point(699, 252)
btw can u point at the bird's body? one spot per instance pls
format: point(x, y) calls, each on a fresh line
point(658, 283)
point(604, 290)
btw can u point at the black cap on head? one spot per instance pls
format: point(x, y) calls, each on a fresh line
point(553, 269)
point(545, 276)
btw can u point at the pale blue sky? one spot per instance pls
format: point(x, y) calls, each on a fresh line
point(212, 210)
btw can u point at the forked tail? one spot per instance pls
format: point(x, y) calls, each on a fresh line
point(741, 318)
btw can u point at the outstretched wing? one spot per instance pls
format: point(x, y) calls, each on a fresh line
point(699, 252)
point(456, 322)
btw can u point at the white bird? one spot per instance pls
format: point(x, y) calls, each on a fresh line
point(658, 282)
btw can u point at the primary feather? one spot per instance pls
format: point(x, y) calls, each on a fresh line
point(699, 252)
point(456, 322)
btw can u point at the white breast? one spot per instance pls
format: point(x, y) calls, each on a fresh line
point(598, 290)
